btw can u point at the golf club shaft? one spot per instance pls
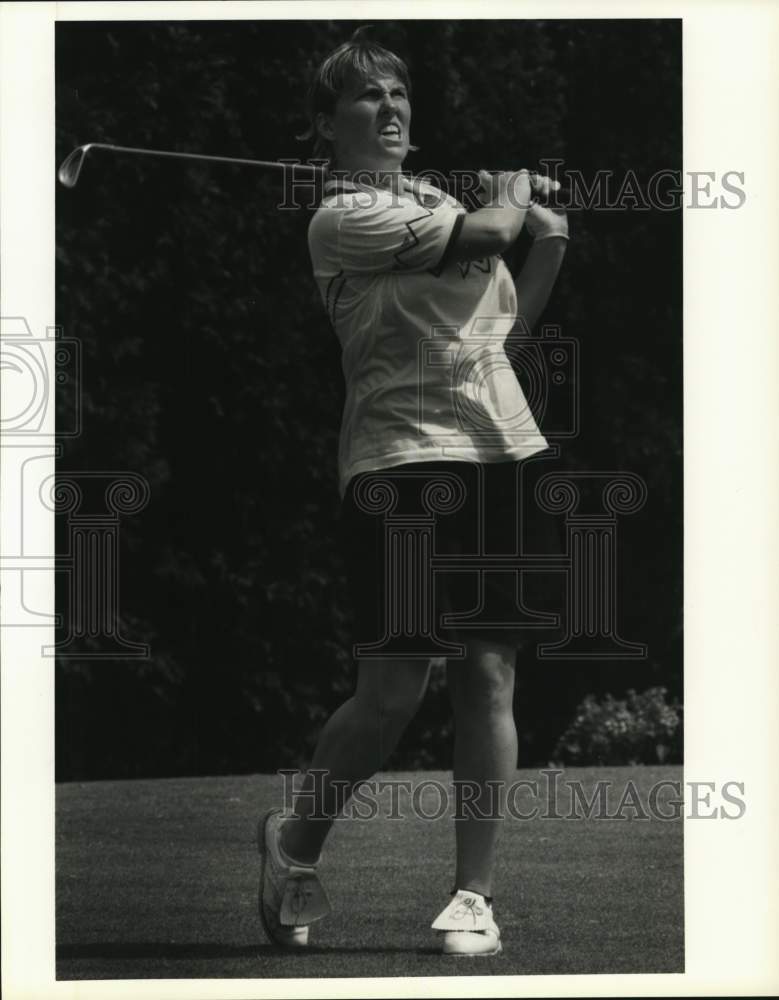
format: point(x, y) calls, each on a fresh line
point(70, 169)
point(71, 166)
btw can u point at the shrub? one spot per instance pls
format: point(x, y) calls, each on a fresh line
point(641, 729)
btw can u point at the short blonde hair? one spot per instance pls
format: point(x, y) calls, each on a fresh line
point(351, 61)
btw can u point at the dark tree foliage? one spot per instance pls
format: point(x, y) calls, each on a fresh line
point(210, 369)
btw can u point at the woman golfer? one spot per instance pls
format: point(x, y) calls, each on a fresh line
point(398, 263)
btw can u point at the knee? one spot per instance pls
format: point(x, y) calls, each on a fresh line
point(492, 697)
point(486, 687)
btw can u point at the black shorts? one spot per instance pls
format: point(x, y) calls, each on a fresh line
point(432, 550)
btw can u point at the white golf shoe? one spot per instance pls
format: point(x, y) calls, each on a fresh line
point(291, 896)
point(467, 926)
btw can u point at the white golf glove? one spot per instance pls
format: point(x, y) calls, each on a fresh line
point(544, 222)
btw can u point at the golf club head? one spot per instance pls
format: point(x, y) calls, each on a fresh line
point(70, 169)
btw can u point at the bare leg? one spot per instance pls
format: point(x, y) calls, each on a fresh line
point(482, 690)
point(355, 742)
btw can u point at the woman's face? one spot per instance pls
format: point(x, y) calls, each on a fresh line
point(369, 128)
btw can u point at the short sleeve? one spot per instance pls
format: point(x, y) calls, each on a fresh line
point(376, 231)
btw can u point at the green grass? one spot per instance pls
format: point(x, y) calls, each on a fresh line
point(158, 879)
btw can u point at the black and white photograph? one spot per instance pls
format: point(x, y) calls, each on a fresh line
point(403, 438)
point(356, 520)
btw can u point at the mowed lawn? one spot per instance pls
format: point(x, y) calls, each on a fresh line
point(158, 879)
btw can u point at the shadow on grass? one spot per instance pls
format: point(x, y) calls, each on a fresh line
point(200, 949)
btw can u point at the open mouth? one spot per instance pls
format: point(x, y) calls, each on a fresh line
point(390, 131)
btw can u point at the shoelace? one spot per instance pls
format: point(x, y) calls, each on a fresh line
point(469, 906)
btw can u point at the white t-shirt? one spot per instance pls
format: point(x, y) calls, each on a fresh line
point(427, 375)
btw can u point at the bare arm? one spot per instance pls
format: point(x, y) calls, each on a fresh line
point(492, 229)
point(507, 199)
point(535, 281)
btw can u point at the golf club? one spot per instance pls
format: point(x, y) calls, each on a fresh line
point(70, 170)
point(71, 167)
